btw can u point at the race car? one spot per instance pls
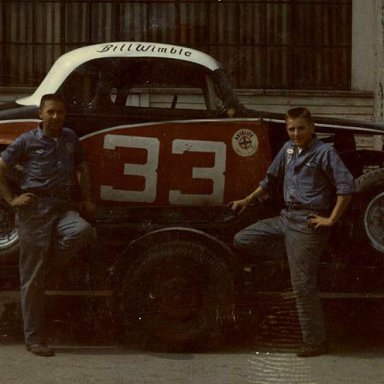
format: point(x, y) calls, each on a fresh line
point(169, 145)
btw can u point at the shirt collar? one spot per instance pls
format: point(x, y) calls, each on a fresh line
point(41, 134)
point(310, 146)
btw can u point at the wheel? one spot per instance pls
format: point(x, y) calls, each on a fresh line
point(9, 234)
point(371, 220)
point(177, 295)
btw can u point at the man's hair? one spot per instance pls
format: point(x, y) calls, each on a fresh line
point(51, 97)
point(299, 112)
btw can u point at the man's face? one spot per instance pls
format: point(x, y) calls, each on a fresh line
point(300, 131)
point(53, 115)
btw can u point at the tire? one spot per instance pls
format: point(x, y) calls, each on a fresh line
point(177, 296)
point(371, 221)
point(9, 234)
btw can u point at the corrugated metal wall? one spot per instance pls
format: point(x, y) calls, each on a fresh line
point(288, 44)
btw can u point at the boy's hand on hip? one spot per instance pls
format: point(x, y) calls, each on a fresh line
point(316, 221)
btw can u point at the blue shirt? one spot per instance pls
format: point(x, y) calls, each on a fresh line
point(47, 164)
point(311, 177)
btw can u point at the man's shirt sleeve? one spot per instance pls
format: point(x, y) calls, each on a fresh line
point(338, 173)
point(275, 170)
point(15, 152)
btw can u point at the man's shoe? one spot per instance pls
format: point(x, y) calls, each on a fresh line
point(311, 350)
point(40, 349)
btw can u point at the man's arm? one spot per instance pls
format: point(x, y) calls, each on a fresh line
point(84, 181)
point(6, 192)
point(342, 202)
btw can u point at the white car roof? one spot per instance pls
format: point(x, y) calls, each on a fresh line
point(66, 63)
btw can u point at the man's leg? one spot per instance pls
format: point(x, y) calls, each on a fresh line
point(73, 234)
point(304, 247)
point(35, 239)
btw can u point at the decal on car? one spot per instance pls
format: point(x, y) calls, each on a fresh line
point(244, 142)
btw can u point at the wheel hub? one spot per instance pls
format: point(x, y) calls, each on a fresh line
point(374, 222)
point(176, 298)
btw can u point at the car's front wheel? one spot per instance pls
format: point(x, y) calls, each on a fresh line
point(178, 295)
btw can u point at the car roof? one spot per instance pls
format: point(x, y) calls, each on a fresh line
point(66, 63)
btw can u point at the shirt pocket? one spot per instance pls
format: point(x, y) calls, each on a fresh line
point(308, 176)
point(41, 165)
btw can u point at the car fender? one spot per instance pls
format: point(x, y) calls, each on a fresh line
point(169, 234)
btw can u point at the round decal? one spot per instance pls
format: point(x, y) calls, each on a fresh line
point(244, 142)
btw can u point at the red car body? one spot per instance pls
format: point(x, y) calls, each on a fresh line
point(169, 145)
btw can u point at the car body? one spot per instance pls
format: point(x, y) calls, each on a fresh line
point(169, 145)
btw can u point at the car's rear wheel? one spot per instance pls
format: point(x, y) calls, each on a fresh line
point(178, 295)
point(9, 234)
point(373, 221)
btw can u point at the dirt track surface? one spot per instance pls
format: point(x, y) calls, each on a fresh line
point(117, 366)
point(87, 353)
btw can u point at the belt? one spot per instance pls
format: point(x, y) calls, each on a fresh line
point(51, 193)
point(299, 207)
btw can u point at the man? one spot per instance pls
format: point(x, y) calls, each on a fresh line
point(312, 171)
point(52, 165)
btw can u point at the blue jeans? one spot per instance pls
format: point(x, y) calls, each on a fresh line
point(304, 247)
point(50, 228)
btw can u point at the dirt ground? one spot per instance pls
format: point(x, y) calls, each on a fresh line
point(87, 353)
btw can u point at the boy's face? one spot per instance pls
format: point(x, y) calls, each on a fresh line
point(300, 131)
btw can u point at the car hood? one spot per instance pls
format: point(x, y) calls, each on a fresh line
point(326, 122)
point(15, 120)
point(11, 111)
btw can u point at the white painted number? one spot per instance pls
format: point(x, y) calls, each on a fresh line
point(149, 170)
point(215, 173)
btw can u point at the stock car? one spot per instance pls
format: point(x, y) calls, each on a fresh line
point(169, 145)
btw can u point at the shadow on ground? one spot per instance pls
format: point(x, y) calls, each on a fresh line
point(354, 326)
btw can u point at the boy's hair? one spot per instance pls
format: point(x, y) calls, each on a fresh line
point(51, 97)
point(299, 112)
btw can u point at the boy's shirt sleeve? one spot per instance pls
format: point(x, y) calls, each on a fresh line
point(275, 170)
point(338, 173)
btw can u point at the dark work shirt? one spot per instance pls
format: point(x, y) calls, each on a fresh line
point(47, 164)
point(311, 177)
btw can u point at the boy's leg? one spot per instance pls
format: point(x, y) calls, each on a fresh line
point(249, 238)
point(304, 247)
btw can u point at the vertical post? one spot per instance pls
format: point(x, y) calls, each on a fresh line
point(116, 25)
point(379, 70)
point(379, 62)
point(4, 78)
point(178, 24)
point(62, 26)
point(90, 23)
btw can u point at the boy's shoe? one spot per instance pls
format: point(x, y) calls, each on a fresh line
point(311, 350)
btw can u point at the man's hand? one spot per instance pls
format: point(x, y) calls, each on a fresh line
point(88, 208)
point(239, 205)
point(23, 200)
point(315, 221)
